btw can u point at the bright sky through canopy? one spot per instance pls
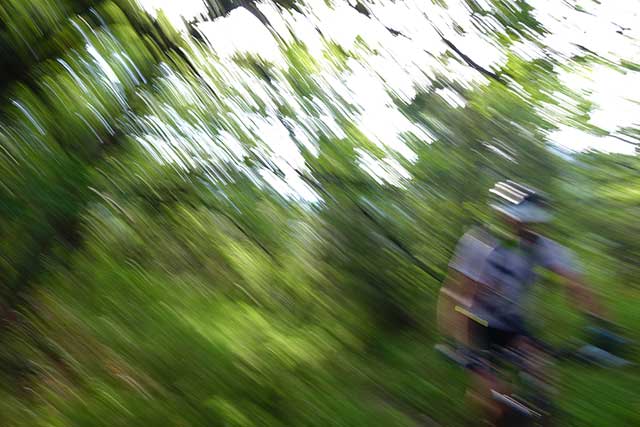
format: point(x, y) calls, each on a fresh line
point(399, 65)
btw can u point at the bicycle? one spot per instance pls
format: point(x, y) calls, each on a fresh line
point(530, 400)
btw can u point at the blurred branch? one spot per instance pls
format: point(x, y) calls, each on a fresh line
point(166, 41)
point(380, 227)
point(470, 62)
point(244, 231)
point(360, 8)
point(618, 137)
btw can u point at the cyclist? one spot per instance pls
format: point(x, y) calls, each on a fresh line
point(482, 301)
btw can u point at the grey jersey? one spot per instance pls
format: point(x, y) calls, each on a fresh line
point(471, 253)
point(505, 275)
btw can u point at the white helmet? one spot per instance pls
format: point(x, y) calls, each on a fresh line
point(520, 203)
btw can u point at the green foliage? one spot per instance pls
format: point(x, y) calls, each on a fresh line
point(151, 273)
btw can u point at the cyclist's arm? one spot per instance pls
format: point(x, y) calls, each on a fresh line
point(457, 290)
point(460, 288)
point(579, 292)
point(564, 263)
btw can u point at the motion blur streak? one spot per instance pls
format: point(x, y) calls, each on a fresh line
point(225, 213)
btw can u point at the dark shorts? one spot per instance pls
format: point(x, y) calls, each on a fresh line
point(488, 338)
point(491, 346)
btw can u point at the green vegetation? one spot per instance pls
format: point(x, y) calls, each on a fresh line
point(157, 269)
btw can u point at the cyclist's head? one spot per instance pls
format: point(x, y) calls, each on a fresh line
point(522, 207)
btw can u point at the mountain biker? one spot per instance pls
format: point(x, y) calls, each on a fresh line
point(482, 301)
